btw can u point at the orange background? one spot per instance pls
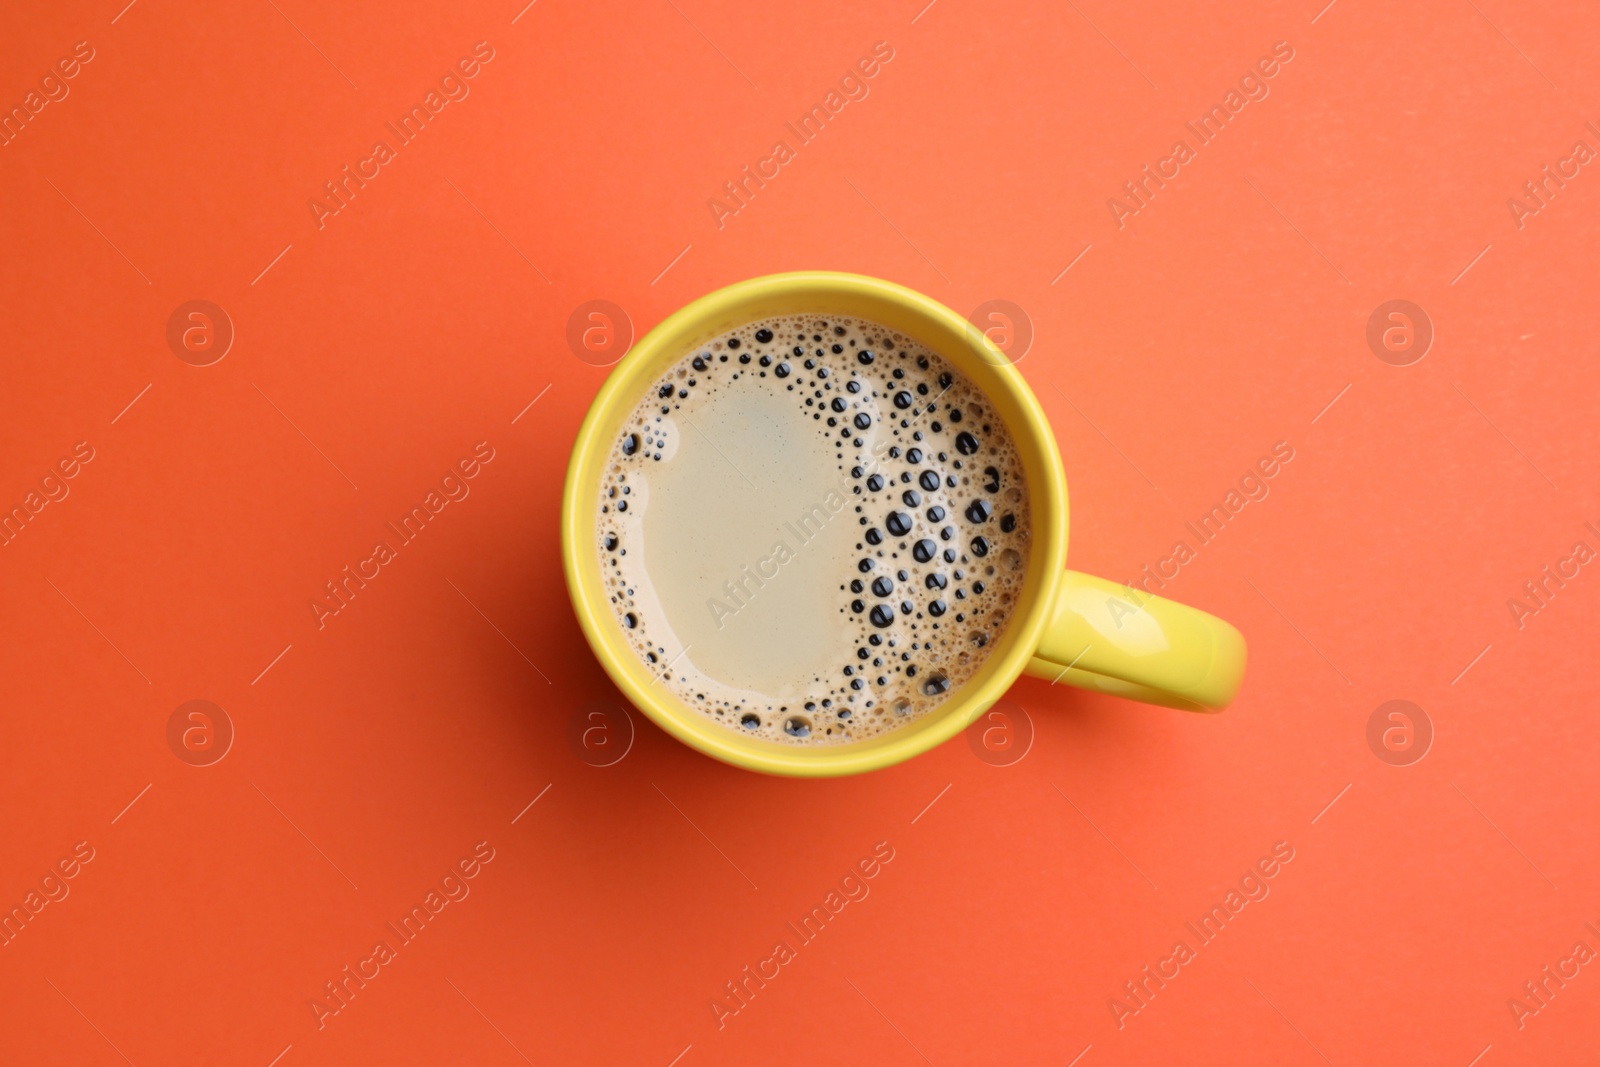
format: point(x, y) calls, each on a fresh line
point(373, 754)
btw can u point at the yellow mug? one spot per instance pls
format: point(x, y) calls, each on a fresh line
point(1066, 626)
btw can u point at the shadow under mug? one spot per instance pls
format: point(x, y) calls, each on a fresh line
point(1065, 626)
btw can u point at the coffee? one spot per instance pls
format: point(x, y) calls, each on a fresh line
point(813, 530)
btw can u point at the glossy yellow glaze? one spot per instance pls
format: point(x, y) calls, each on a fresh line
point(1066, 626)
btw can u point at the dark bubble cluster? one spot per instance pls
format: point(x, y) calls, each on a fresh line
point(932, 479)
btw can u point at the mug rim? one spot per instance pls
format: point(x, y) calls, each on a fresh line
point(625, 385)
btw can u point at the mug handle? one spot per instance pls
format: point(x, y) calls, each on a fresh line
point(1120, 640)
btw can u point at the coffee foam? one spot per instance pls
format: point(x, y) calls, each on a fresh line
point(813, 531)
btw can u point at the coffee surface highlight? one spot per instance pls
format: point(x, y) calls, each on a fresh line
point(813, 530)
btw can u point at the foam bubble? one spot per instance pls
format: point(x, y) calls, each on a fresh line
point(912, 562)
